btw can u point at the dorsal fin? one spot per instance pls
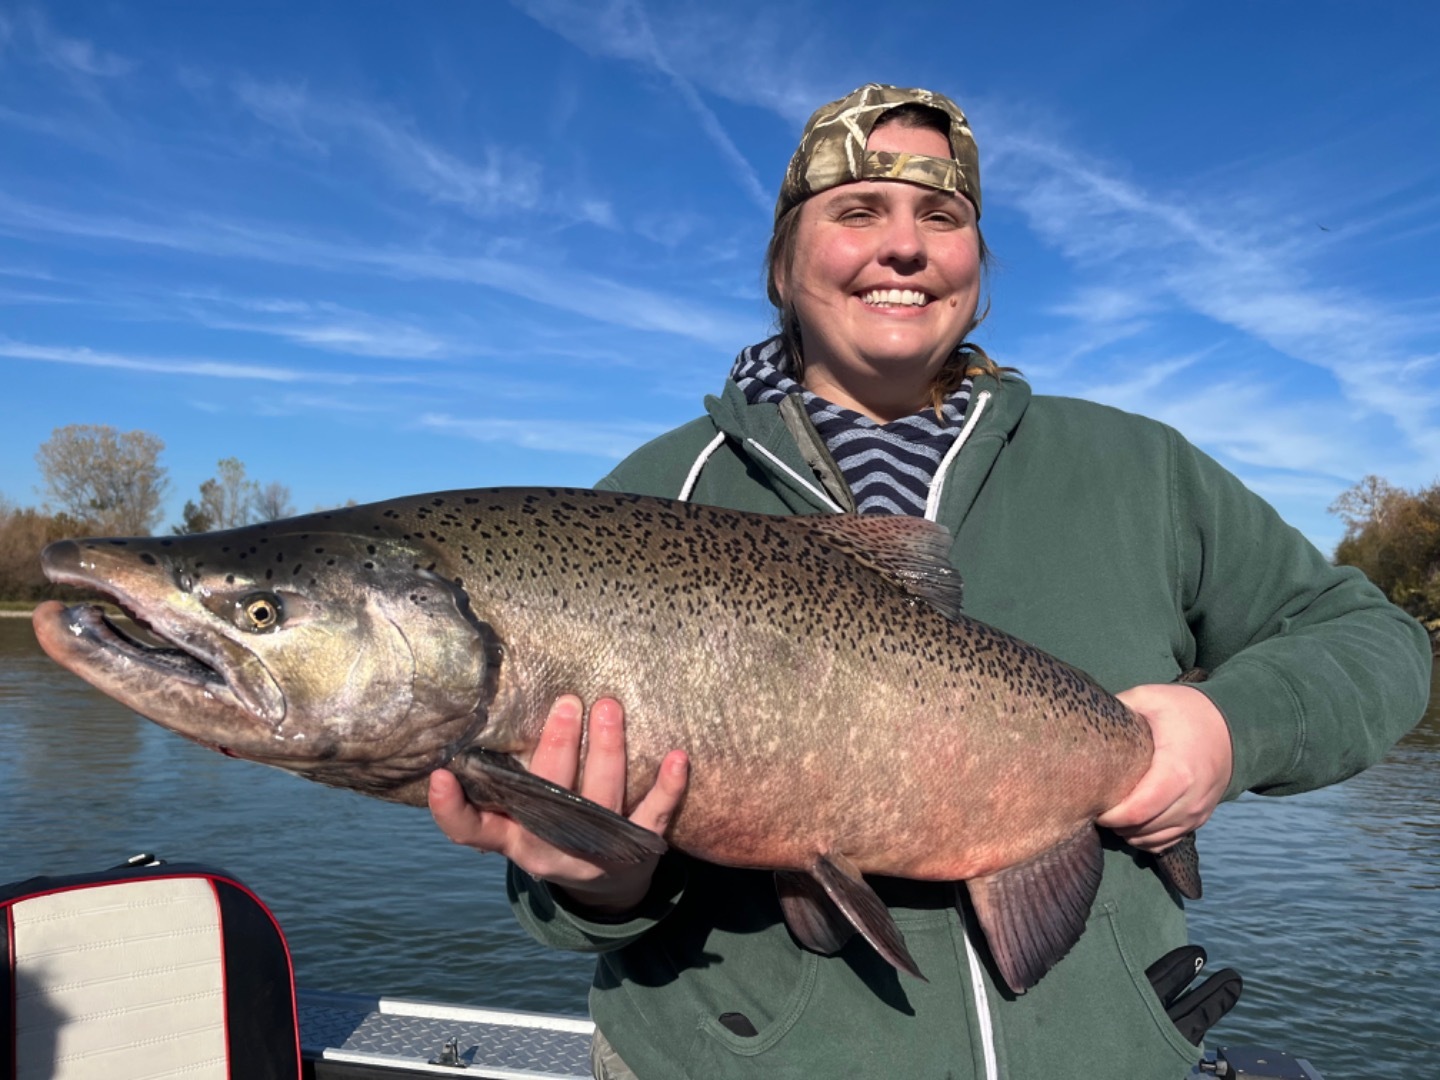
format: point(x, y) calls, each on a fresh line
point(909, 552)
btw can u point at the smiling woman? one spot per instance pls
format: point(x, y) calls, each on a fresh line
point(1101, 537)
point(905, 238)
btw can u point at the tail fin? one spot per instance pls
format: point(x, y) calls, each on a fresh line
point(1180, 866)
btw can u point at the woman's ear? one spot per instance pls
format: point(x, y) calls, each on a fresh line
point(777, 277)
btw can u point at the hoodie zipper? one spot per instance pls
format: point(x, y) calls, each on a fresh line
point(932, 509)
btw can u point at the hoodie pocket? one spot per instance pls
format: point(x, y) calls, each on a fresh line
point(1095, 1012)
point(851, 1015)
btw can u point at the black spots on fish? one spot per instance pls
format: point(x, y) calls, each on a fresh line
point(118, 543)
point(269, 573)
point(370, 549)
point(437, 502)
point(148, 559)
point(329, 562)
point(319, 551)
point(229, 579)
point(368, 565)
point(298, 568)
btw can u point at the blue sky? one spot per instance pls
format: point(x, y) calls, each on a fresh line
point(375, 249)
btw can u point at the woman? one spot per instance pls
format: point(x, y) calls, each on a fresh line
point(1102, 537)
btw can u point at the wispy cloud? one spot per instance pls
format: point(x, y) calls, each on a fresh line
point(590, 295)
point(73, 56)
point(568, 436)
point(504, 179)
point(319, 325)
point(215, 369)
point(621, 29)
point(1202, 257)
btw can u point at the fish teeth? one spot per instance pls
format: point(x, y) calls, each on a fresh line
point(895, 298)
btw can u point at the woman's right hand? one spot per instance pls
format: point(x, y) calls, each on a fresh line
point(607, 888)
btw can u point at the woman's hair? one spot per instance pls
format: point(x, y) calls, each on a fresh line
point(968, 359)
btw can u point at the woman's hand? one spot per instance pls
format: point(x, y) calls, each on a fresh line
point(604, 887)
point(1188, 774)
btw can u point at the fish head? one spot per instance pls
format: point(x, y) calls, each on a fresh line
point(343, 657)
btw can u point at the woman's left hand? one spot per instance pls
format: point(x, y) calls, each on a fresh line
point(1188, 774)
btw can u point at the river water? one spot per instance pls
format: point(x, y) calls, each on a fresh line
point(1329, 903)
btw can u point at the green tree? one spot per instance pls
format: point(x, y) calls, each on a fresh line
point(24, 532)
point(111, 482)
point(1393, 536)
point(192, 520)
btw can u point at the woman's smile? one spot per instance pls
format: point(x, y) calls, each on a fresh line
point(885, 283)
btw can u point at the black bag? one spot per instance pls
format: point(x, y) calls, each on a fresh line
point(143, 970)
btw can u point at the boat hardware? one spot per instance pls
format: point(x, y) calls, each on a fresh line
point(450, 1055)
point(1250, 1063)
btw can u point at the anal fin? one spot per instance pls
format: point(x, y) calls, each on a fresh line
point(574, 824)
point(863, 909)
point(1035, 911)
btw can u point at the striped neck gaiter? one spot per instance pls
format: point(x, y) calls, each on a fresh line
point(888, 467)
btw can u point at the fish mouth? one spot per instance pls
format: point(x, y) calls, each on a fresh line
point(91, 625)
point(181, 678)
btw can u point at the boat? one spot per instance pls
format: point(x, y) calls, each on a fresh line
point(114, 972)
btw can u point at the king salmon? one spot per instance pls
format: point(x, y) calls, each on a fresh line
point(841, 714)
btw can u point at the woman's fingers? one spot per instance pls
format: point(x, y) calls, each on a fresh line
point(1188, 773)
point(658, 807)
point(461, 820)
point(603, 780)
point(557, 755)
point(557, 758)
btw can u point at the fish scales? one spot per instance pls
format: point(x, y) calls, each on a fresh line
point(779, 632)
point(830, 702)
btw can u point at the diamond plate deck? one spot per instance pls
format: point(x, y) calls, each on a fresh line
point(493, 1043)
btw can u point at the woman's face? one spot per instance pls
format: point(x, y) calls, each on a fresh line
point(885, 281)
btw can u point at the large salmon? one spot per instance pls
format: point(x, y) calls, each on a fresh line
point(842, 716)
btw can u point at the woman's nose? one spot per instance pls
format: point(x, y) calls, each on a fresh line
point(903, 242)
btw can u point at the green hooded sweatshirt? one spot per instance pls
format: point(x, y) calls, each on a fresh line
point(1108, 540)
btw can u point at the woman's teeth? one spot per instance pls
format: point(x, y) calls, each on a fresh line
point(895, 298)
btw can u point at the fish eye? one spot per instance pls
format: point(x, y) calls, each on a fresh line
point(261, 611)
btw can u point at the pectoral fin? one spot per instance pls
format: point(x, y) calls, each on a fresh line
point(1035, 911)
point(865, 911)
point(576, 825)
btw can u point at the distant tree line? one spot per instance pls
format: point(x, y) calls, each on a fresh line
point(1393, 535)
point(102, 482)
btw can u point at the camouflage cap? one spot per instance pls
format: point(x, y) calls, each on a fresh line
point(832, 149)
